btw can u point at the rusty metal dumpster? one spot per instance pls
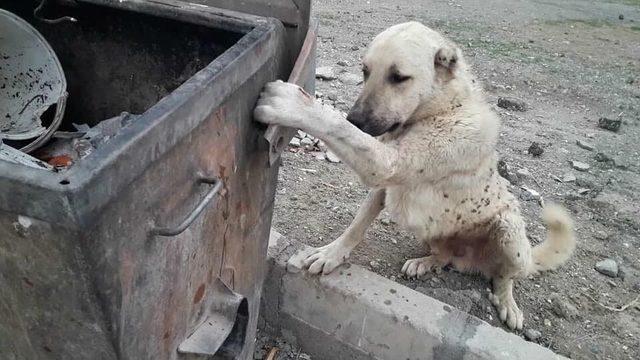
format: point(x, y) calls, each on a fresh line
point(153, 245)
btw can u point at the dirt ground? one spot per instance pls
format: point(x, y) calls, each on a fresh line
point(572, 62)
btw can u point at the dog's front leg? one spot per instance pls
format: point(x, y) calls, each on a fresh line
point(325, 259)
point(289, 105)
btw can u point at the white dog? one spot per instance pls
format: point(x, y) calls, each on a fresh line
point(422, 136)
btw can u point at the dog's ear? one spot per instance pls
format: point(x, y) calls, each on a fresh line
point(446, 62)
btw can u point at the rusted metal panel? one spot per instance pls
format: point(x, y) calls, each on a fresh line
point(48, 305)
point(290, 12)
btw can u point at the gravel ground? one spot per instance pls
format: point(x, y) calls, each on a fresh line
point(572, 63)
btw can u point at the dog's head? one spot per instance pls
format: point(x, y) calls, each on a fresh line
point(405, 70)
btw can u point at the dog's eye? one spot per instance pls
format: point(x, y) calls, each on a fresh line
point(397, 78)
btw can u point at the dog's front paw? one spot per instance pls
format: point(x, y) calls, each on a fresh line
point(325, 259)
point(285, 104)
point(415, 268)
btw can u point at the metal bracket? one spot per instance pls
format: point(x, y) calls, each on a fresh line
point(224, 331)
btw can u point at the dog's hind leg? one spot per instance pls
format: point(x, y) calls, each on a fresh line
point(325, 259)
point(511, 253)
point(502, 299)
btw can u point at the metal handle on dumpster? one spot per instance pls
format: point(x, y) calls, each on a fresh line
point(173, 231)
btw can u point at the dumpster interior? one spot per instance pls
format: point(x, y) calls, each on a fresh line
point(115, 62)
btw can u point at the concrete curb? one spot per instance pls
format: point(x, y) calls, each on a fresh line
point(356, 314)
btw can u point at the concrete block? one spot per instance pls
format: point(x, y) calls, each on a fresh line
point(356, 314)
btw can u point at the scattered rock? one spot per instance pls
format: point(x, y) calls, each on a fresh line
point(622, 272)
point(607, 267)
point(535, 149)
point(306, 142)
point(523, 173)
point(343, 63)
point(505, 172)
point(621, 162)
point(584, 191)
point(585, 145)
point(621, 16)
point(529, 194)
point(301, 134)
point(475, 296)
point(512, 104)
point(532, 335)
point(355, 48)
point(350, 79)
point(563, 308)
point(503, 169)
point(601, 235)
point(295, 142)
point(610, 124)
point(602, 157)
point(568, 177)
point(547, 322)
point(318, 155)
point(331, 157)
point(333, 96)
point(385, 221)
point(325, 73)
point(580, 166)
point(374, 264)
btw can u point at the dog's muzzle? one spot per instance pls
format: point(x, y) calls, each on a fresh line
point(369, 124)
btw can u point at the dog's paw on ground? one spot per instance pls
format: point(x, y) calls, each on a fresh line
point(418, 267)
point(508, 311)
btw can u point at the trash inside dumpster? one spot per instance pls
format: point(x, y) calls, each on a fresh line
point(138, 228)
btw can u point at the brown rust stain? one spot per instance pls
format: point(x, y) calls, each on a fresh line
point(199, 294)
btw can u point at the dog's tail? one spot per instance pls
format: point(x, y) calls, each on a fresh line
point(560, 241)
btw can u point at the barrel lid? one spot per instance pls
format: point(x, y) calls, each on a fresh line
point(32, 81)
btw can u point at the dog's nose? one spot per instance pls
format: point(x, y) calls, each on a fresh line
point(356, 118)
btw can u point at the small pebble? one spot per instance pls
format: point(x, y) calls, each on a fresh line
point(524, 173)
point(609, 124)
point(607, 267)
point(535, 149)
point(331, 157)
point(306, 142)
point(563, 308)
point(325, 73)
point(532, 335)
point(512, 104)
point(601, 235)
point(580, 166)
point(295, 142)
point(585, 145)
